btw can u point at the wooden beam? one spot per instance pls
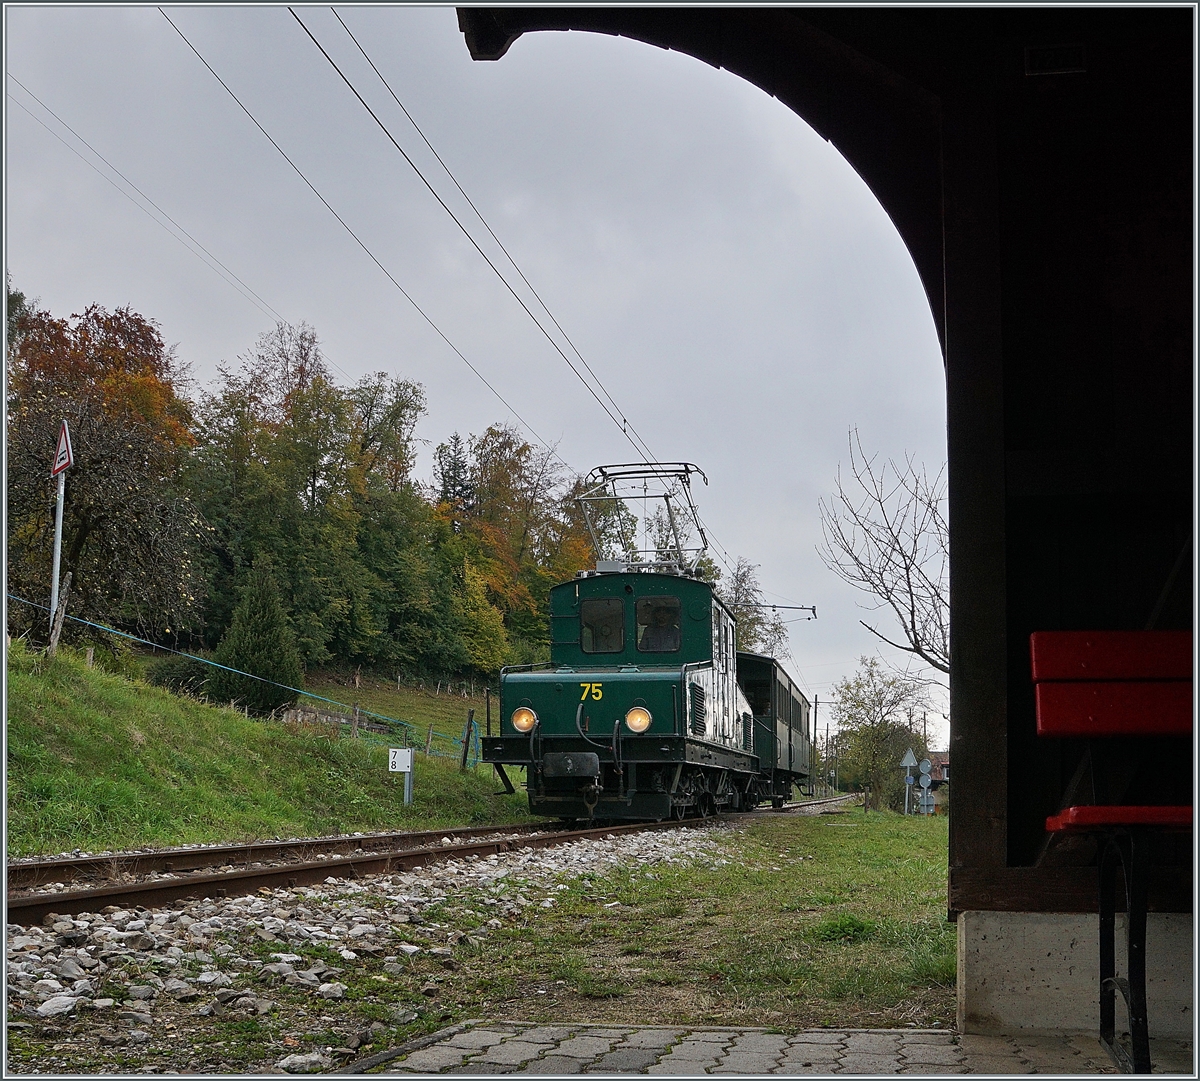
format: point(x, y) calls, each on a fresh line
point(1056, 889)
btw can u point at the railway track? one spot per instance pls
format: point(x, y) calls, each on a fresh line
point(295, 863)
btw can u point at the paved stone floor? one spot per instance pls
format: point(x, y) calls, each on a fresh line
point(478, 1048)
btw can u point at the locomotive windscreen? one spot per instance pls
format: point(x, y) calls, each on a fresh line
point(602, 621)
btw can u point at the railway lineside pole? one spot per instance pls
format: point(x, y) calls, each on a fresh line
point(63, 460)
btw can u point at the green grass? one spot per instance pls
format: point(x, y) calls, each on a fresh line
point(812, 921)
point(417, 706)
point(98, 761)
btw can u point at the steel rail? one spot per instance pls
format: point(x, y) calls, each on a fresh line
point(31, 908)
point(66, 869)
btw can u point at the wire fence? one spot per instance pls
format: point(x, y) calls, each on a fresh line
point(347, 718)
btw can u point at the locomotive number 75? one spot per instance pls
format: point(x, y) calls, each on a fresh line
point(596, 690)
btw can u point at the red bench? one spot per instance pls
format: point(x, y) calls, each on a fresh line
point(1112, 684)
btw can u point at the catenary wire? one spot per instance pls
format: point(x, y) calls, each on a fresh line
point(237, 284)
point(370, 254)
point(643, 450)
point(474, 243)
point(454, 180)
point(719, 549)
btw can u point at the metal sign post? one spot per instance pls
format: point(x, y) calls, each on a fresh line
point(400, 760)
point(906, 763)
point(62, 462)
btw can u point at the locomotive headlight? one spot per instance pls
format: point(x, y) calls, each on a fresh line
point(523, 718)
point(638, 719)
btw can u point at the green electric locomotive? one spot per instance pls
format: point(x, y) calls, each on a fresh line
point(645, 711)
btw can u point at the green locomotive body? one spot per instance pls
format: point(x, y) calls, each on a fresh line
point(642, 712)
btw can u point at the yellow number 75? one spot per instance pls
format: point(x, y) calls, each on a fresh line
point(596, 689)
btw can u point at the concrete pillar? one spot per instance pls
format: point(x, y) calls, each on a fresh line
point(1037, 973)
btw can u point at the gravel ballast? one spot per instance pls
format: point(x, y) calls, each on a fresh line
point(277, 981)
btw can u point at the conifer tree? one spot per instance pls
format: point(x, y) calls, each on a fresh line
point(259, 641)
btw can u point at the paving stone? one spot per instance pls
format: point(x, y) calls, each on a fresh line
point(736, 1061)
point(472, 1069)
point(996, 1064)
point(987, 1045)
point(701, 1036)
point(652, 1037)
point(587, 1047)
point(924, 1070)
point(555, 1064)
point(797, 1069)
point(1054, 1055)
point(763, 1043)
point(819, 1037)
point(630, 1059)
point(812, 1052)
point(863, 1063)
point(433, 1059)
point(929, 1037)
point(698, 1050)
point(685, 1067)
point(931, 1053)
point(474, 1039)
point(511, 1052)
point(869, 1043)
point(548, 1033)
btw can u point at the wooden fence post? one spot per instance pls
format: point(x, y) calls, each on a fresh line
point(429, 740)
point(354, 723)
point(467, 737)
point(56, 623)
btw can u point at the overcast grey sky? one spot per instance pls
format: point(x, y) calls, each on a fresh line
point(730, 278)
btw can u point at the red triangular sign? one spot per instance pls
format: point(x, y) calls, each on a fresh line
point(62, 456)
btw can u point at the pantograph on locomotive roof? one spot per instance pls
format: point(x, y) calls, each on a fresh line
point(671, 536)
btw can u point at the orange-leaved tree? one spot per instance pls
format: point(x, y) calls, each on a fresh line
point(130, 535)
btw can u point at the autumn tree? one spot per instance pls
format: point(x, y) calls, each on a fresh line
point(317, 476)
point(131, 535)
point(885, 533)
point(875, 712)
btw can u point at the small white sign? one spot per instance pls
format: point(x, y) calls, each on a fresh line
point(62, 455)
point(909, 760)
point(400, 759)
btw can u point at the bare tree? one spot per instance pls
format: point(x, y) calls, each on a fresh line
point(885, 533)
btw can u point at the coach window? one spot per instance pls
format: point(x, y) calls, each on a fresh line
point(658, 624)
point(603, 625)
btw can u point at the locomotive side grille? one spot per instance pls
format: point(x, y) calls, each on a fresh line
point(747, 732)
point(699, 710)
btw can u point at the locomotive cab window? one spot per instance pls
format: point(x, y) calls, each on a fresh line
point(602, 625)
point(658, 624)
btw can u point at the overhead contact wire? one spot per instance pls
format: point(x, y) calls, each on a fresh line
point(499, 243)
point(358, 240)
point(465, 232)
point(237, 284)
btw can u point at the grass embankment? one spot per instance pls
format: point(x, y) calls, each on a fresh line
point(97, 761)
point(418, 706)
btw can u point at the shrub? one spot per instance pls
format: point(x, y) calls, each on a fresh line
point(183, 675)
point(259, 641)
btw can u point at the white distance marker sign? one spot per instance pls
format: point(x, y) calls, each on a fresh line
point(400, 759)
